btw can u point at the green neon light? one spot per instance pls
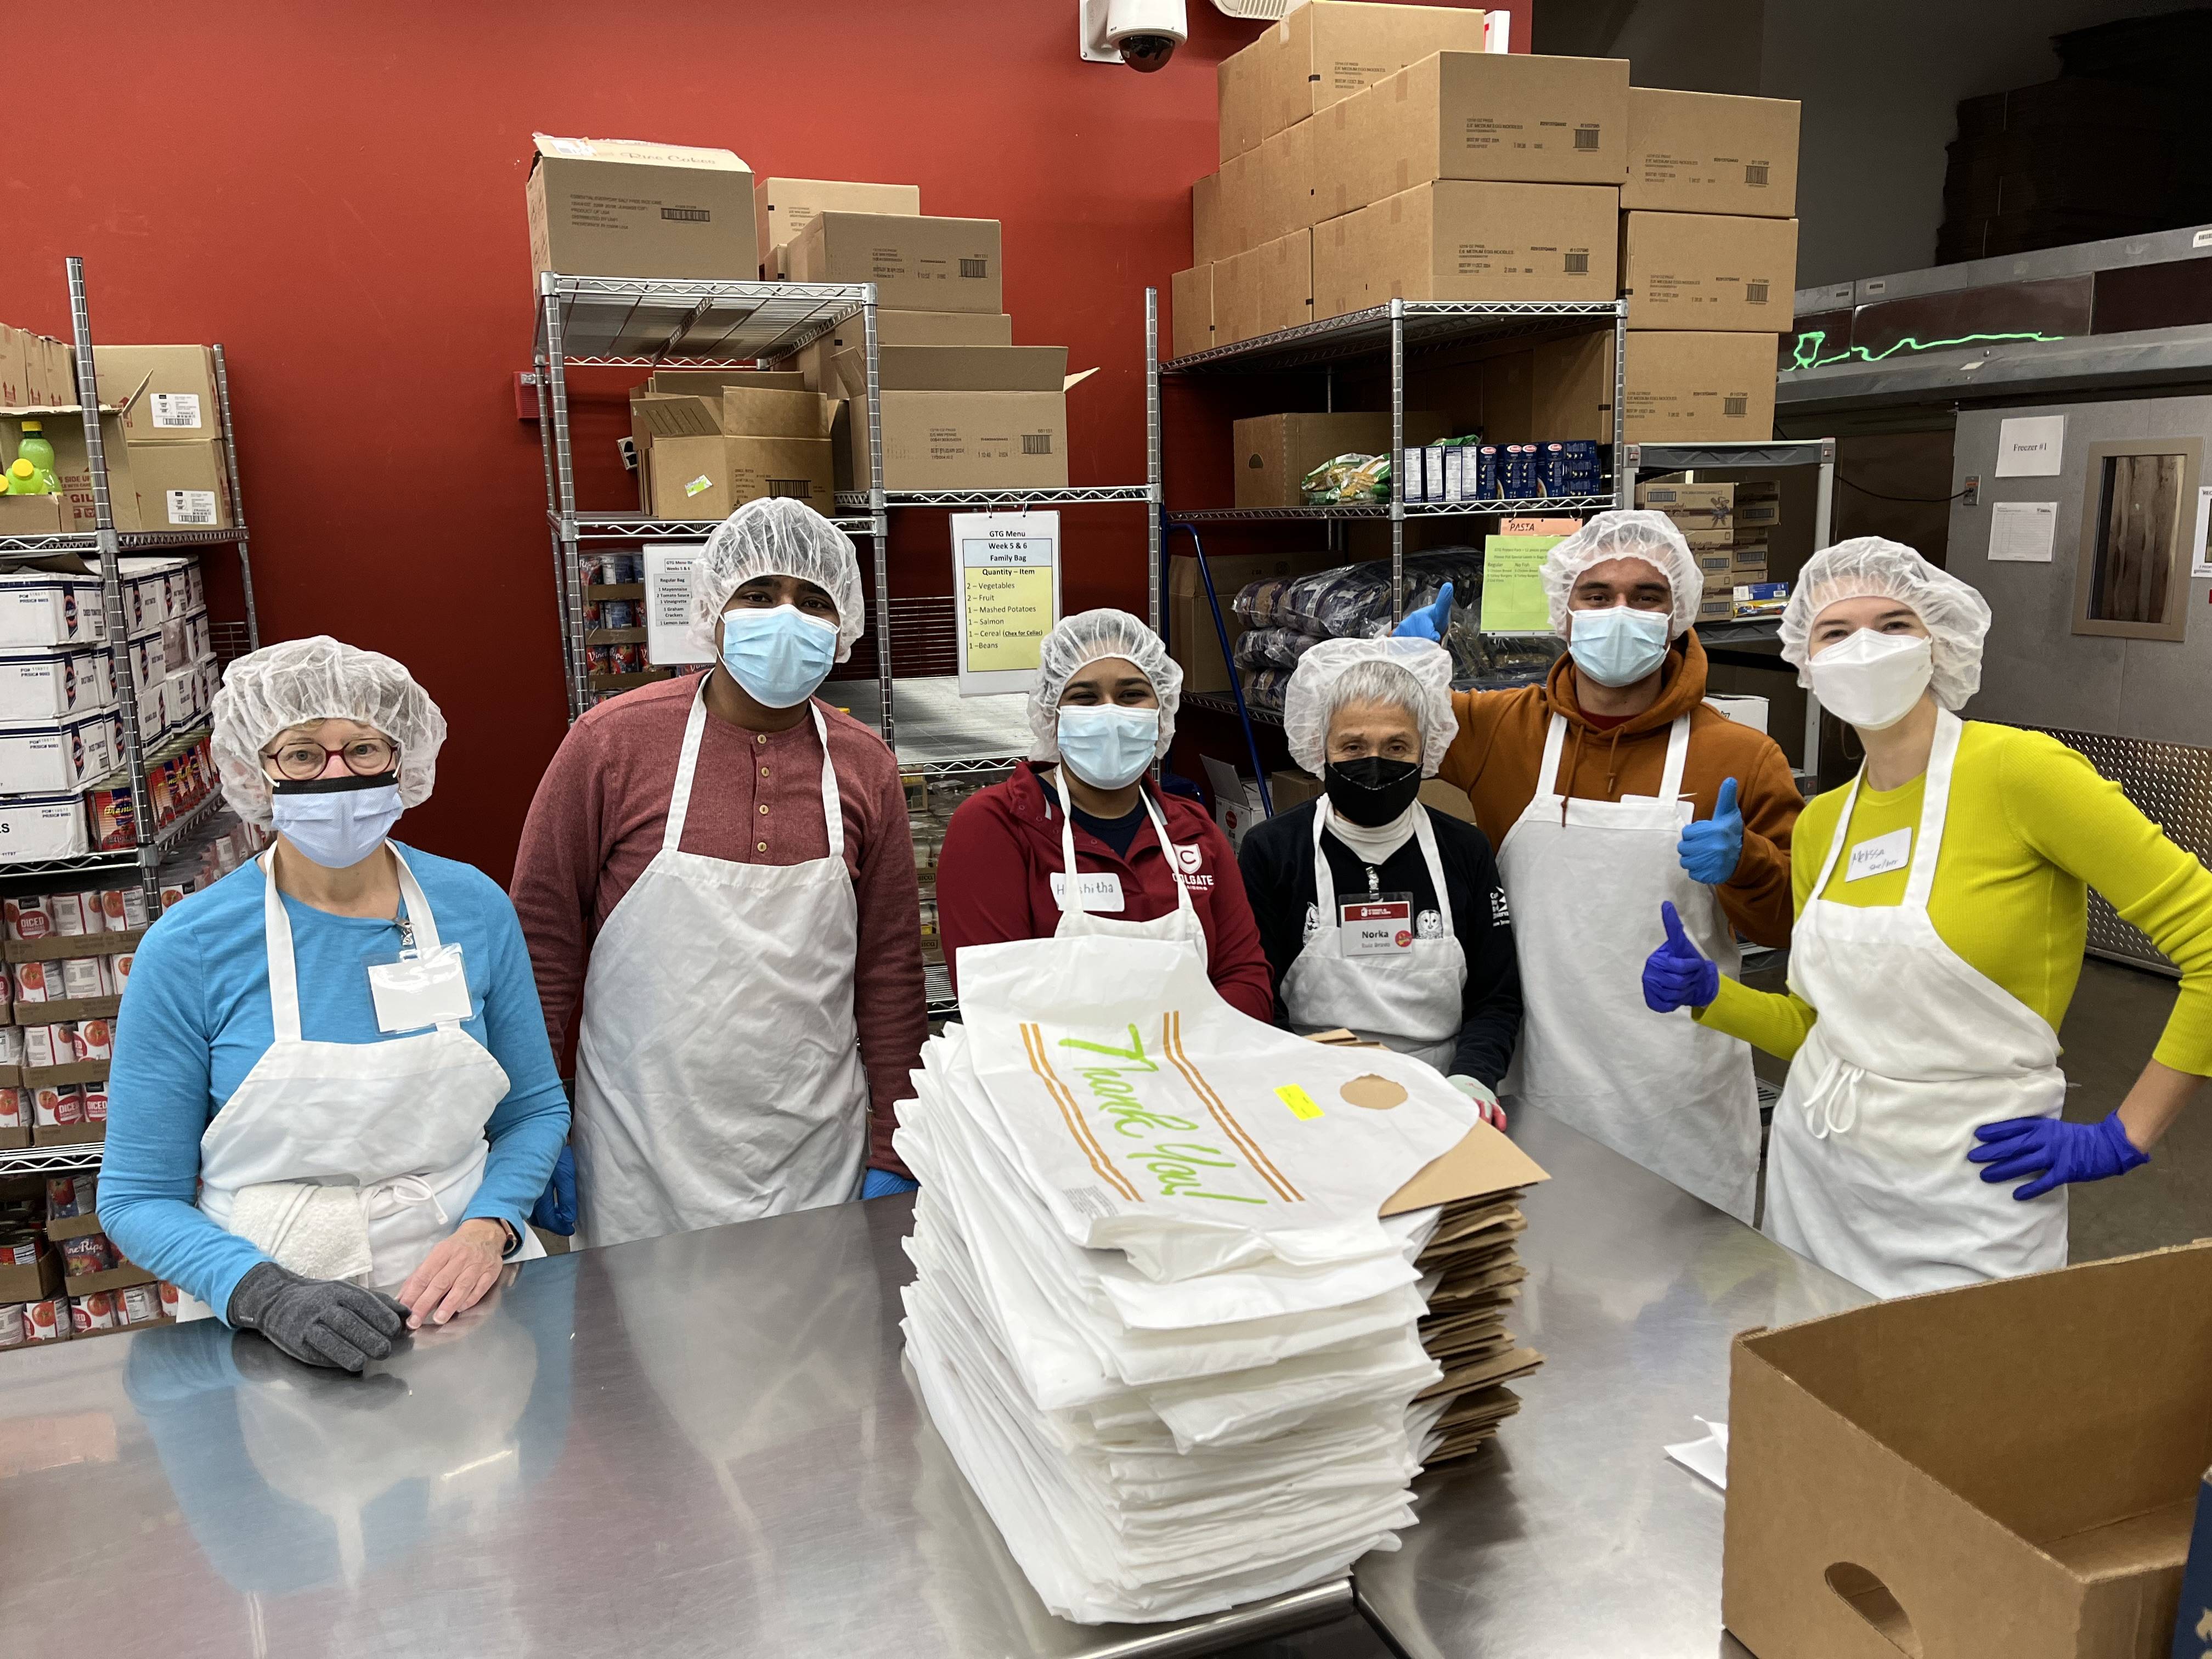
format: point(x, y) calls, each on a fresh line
point(1807, 352)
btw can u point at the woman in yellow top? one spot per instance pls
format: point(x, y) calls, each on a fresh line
point(1941, 910)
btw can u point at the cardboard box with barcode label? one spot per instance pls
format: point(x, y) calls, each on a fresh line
point(1273, 454)
point(1190, 311)
point(1708, 270)
point(782, 208)
point(1691, 386)
point(966, 417)
point(1328, 50)
point(1703, 152)
point(621, 206)
point(2008, 1468)
point(917, 262)
point(710, 478)
point(180, 486)
point(167, 392)
point(1464, 239)
point(73, 470)
point(1758, 506)
point(817, 360)
point(1513, 119)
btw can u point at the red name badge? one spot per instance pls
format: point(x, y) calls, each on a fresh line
point(1378, 926)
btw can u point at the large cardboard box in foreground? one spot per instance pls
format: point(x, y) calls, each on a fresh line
point(1689, 387)
point(1328, 50)
point(965, 417)
point(1463, 239)
point(916, 263)
point(1273, 453)
point(784, 207)
point(170, 388)
point(617, 207)
point(2007, 1470)
point(1192, 641)
point(1704, 152)
point(1708, 270)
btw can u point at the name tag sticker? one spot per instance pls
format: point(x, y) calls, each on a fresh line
point(1101, 891)
point(1881, 855)
point(428, 988)
point(1380, 926)
point(1300, 1102)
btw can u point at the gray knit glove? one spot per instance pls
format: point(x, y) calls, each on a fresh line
point(323, 1322)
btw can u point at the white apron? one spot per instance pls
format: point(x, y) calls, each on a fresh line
point(1866, 1172)
point(1180, 926)
point(401, 1119)
point(718, 1074)
point(1412, 1001)
point(1585, 879)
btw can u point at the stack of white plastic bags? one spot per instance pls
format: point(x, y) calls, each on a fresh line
point(1156, 1317)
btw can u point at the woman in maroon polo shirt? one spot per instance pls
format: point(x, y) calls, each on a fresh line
point(1145, 863)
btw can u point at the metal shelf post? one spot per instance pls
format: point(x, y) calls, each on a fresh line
point(237, 498)
point(1397, 461)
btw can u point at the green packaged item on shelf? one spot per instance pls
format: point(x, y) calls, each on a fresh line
point(1348, 478)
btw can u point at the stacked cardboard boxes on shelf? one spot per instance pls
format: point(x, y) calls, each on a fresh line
point(1381, 151)
point(1727, 527)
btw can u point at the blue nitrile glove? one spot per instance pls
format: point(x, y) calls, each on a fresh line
point(2063, 1151)
point(1712, 847)
point(1429, 622)
point(555, 1209)
point(1676, 976)
point(882, 1183)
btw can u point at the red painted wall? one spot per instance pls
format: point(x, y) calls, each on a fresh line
point(335, 193)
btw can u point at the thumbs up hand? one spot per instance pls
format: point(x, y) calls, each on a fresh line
point(1711, 848)
point(1677, 975)
point(1430, 622)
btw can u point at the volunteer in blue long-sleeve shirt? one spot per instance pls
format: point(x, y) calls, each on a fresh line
point(331, 1073)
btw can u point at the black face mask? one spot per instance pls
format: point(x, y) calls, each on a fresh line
point(1371, 791)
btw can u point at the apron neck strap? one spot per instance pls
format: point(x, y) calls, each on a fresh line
point(1934, 807)
point(1424, 836)
point(1074, 896)
point(276, 929)
point(1555, 744)
point(687, 769)
point(1670, 783)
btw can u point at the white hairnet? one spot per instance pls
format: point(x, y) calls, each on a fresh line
point(1634, 533)
point(1957, 617)
point(1415, 674)
point(301, 681)
point(1084, 638)
point(777, 537)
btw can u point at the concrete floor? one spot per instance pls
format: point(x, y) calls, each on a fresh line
point(2110, 1031)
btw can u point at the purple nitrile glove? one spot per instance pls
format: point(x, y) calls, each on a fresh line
point(1429, 622)
point(1711, 849)
point(1677, 975)
point(2062, 1151)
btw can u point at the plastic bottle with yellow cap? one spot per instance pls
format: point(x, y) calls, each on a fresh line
point(24, 479)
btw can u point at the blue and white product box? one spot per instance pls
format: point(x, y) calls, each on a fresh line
point(34, 828)
point(1457, 485)
point(53, 685)
point(1413, 471)
point(39, 608)
point(49, 758)
point(1488, 459)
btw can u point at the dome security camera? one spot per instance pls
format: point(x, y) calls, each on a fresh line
point(1142, 33)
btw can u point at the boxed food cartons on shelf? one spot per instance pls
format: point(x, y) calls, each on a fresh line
point(60, 1276)
point(963, 417)
point(782, 208)
point(706, 455)
point(1464, 239)
point(1705, 271)
point(916, 262)
point(167, 392)
point(1264, 289)
point(40, 608)
point(1702, 152)
point(65, 430)
point(1190, 310)
point(817, 359)
point(1328, 49)
point(182, 486)
point(36, 372)
point(619, 207)
point(1274, 453)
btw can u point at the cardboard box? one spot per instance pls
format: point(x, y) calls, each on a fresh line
point(1206, 244)
point(1286, 181)
point(783, 207)
point(1693, 387)
point(966, 417)
point(1190, 311)
point(710, 478)
point(1708, 271)
point(617, 207)
point(12, 393)
point(34, 515)
point(1463, 239)
point(180, 486)
point(1571, 392)
point(1758, 504)
point(1514, 119)
point(2193, 1620)
point(957, 368)
point(1338, 169)
point(1238, 304)
point(916, 263)
point(1192, 641)
point(61, 372)
point(2007, 1468)
point(817, 360)
point(1706, 506)
point(41, 1279)
point(750, 412)
point(73, 470)
point(1273, 453)
point(167, 392)
point(1328, 50)
point(1238, 79)
point(1285, 276)
point(34, 371)
point(1704, 152)
point(1717, 565)
point(1237, 205)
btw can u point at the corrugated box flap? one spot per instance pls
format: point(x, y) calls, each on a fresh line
point(638, 152)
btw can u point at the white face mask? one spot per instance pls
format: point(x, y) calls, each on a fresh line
point(1873, 680)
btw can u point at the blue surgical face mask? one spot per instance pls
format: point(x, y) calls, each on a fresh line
point(1109, 747)
point(336, 822)
point(778, 655)
point(1617, 646)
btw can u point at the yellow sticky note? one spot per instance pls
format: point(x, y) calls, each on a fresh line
point(1300, 1102)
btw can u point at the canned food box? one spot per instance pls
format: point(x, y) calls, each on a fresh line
point(599, 658)
point(119, 969)
point(11, 1324)
point(124, 909)
point(617, 613)
point(82, 977)
point(591, 613)
point(137, 1304)
point(95, 1103)
point(37, 981)
point(95, 1040)
point(19, 1250)
point(39, 1049)
point(31, 916)
point(58, 1106)
point(92, 1312)
point(14, 1108)
point(49, 1321)
point(168, 1299)
point(630, 659)
point(62, 1198)
point(87, 1253)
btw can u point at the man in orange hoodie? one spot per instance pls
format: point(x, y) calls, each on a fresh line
point(1609, 789)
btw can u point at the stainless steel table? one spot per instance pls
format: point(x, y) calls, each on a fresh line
point(1574, 1536)
point(707, 1445)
